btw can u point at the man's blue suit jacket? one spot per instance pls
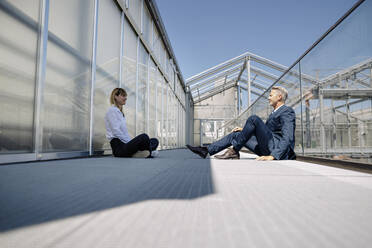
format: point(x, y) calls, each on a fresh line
point(282, 123)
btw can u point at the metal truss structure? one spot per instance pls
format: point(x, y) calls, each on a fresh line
point(231, 74)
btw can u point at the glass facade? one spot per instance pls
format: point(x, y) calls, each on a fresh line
point(108, 67)
point(57, 85)
point(18, 75)
point(159, 107)
point(152, 101)
point(330, 89)
point(66, 106)
point(129, 77)
point(141, 113)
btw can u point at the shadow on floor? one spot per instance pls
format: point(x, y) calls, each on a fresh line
point(38, 192)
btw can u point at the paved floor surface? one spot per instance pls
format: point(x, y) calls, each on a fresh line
point(180, 200)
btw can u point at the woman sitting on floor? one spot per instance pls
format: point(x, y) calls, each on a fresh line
point(122, 144)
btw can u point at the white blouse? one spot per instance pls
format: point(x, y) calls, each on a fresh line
point(116, 125)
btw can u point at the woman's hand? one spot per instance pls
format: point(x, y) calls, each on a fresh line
point(237, 129)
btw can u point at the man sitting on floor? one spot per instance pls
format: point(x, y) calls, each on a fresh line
point(271, 140)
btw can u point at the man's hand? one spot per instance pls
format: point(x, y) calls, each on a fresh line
point(265, 158)
point(237, 129)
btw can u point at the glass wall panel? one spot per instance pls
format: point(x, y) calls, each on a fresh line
point(135, 7)
point(197, 126)
point(164, 133)
point(147, 25)
point(170, 73)
point(68, 76)
point(142, 98)
point(177, 112)
point(107, 73)
point(152, 98)
point(336, 115)
point(17, 75)
point(129, 71)
point(166, 66)
point(159, 106)
point(175, 121)
point(185, 127)
point(156, 43)
point(180, 125)
point(291, 82)
point(170, 118)
point(171, 126)
point(163, 55)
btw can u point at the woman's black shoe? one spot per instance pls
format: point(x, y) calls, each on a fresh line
point(201, 151)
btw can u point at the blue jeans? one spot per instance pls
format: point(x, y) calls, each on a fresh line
point(255, 136)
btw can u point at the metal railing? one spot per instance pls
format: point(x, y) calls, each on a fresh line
point(330, 90)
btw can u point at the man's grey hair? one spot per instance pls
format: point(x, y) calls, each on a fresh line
point(282, 91)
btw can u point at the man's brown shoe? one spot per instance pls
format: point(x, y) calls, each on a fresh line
point(229, 154)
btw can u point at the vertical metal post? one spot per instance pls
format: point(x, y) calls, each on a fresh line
point(167, 119)
point(40, 80)
point(322, 131)
point(188, 134)
point(348, 122)
point(333, 138)
point(137, 76)
point(171, 123)
point(178, 124)
point(121, 50)
point(307, 123)
point(152, 36)
point(348, 115)
point(141, 17)
point(93, 77)
point(302, 121)
point(201, 123)
point(155, 75)
point(362, 135)
point(180, 136)
point(156, 100)
point(182, 126)
point(238, 97)
point(182, 143)
point(370, 81)
point(147, 111)
point(161, 112)
point(192, 117)
point(249, 82)
point(186, 127)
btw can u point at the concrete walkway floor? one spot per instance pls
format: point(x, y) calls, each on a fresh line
point(180, 200)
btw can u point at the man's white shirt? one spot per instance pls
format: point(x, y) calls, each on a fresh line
point(116, 125)
point(277, 108)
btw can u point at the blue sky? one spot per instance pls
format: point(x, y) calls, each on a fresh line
point(207, 32)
